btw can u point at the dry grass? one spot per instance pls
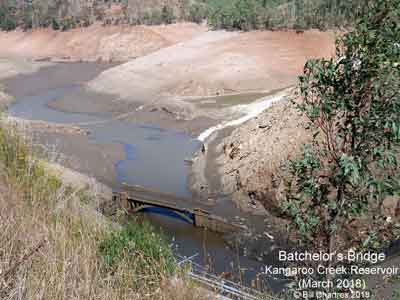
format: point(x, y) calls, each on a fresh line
point(50, 237)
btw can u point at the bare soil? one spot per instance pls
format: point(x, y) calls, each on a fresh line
point(249, 160)
point(95, 43)
point(11, 67)
point(217, 63)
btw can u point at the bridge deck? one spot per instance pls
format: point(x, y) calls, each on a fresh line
point(137, 199)
point(152, 195)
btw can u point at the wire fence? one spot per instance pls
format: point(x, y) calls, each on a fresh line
point(226, 289)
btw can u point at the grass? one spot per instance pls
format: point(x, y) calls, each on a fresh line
point(138, 247)
point(55, 245)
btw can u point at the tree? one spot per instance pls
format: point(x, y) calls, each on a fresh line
point(167, 15)
point(353, 106)
point(54, 24)
point(7, 19)
point(236, 14)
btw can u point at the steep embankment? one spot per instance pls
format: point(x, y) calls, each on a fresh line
point(248, 161)
point(96, 42)
point(216, 63)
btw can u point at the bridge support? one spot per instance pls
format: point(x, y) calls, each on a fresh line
point(132, 204)
point(124, 202)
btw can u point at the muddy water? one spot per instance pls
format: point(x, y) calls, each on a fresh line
point(118, 151)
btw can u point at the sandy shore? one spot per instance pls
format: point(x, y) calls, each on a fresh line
point(11, 67)
point(30, 126)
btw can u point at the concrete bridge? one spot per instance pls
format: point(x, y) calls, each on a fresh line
point(137, 199)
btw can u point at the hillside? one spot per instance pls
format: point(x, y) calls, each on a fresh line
point(221, 14)
point(216, 63)
point(96, 42)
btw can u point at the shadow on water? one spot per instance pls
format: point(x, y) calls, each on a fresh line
point(153, 157)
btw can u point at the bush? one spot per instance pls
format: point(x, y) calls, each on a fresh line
point(167, 15)
point(7, 19)
point(134, 242)
point(352, 102)
point(236, 14)
point(55, 25)
point(197, 12)
point(140, 249)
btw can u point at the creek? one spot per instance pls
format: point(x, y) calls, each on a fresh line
point(118, 151)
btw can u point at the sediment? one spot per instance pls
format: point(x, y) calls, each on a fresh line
point(250, 160)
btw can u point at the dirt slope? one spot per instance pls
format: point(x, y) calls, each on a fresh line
point(250, 160)
point(218, 62)
point(117, 43)
point(247, 161)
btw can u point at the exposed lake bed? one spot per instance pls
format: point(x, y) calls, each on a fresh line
point(119, 150)
point(220, 150)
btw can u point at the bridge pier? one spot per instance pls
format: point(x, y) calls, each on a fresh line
point(124, 202)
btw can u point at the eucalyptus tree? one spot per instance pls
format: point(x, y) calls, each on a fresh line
point(352, 103)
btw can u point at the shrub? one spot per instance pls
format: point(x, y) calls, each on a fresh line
point(353, 106)
point(236, 14)
point(7, 19)
point(138, 246)
point(167, 15)
point(54, 24)
point(197, 12)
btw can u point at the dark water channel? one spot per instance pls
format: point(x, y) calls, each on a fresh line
point(136, 154)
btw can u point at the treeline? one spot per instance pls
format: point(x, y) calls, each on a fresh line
point(275, 14)
point(68, 14)
point(220, 14)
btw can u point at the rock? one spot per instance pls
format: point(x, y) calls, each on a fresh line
point(391, 206)
point(211, 201)
point(266, 126)
point(268, 235)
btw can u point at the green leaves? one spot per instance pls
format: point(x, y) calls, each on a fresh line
point(350, 168)
point(353, 106)
point(138, 246)
point(236, 14)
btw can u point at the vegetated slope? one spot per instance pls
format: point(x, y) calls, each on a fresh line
point(116, 43)
point(228, 14)
point(64, 15)
point(217, 63)
point(269, 14)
